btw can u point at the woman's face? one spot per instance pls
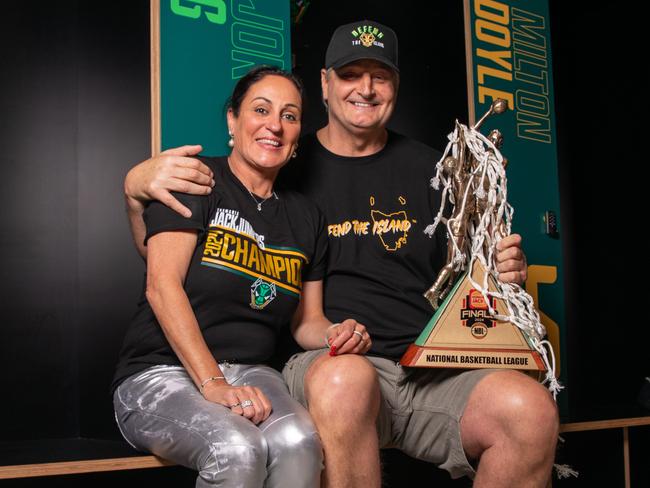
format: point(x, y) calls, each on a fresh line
point(267, 128)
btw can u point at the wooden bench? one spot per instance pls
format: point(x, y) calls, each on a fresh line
point(23, 459)
point(78, 467)
point(624, 424)
point(131, 460)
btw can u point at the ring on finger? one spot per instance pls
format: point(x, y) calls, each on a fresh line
point(358, 333)
point(247, 403)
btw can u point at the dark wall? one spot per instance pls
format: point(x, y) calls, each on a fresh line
point(601, 105)
point(75, 103)
point(38, 211)
point(114, 134)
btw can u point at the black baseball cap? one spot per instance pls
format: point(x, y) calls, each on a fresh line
point(365, 39)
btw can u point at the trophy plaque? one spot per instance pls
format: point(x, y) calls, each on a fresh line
point(479, 322)
point(462, 334)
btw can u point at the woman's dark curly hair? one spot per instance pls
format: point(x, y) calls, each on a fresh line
point(253, 76)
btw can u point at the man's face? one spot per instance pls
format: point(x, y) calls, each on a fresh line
point(360, 95)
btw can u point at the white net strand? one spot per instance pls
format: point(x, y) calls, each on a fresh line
point(437, 179)
point(564, 471)
point(485, 234)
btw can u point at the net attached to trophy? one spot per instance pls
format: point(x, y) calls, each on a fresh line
point(480, 322)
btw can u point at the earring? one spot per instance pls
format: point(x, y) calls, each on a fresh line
point(231, 142)
point(295, 152)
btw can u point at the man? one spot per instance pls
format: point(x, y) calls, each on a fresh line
point(372, 186)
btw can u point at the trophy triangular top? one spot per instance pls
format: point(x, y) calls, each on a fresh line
point(461, 334)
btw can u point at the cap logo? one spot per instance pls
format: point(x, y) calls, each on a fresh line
point(367, 36)
point(367, 39)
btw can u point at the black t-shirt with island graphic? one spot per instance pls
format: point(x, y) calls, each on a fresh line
point(245, 276)
point(380, 260)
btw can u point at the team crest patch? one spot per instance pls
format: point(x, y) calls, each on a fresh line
point(367, 38)
point(262, 293)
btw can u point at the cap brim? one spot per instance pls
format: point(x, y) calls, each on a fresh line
point(356, 57)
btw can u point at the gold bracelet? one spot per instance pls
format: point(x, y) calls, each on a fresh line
point(211, 378)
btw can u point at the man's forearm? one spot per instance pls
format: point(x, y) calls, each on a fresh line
point(155, 178)
point(135, 211)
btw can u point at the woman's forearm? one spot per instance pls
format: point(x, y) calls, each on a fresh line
point(309, 323)
point(311, 333)
point(176, 317)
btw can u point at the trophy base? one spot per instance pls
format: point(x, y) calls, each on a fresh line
point(462, 334)
point(468, 358)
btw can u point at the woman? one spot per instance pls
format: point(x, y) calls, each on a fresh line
point(190, 385)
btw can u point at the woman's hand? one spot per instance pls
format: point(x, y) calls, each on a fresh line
point(348, 337)
point(248, 401)
point(309, 324)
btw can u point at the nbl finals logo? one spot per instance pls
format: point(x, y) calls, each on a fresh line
point(475, 314)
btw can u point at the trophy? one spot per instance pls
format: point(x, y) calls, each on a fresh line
point(479, 322)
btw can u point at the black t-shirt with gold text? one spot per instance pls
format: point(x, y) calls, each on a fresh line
point(245, 276)
point(380, 260)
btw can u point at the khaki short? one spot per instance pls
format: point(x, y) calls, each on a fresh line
point(420, 408)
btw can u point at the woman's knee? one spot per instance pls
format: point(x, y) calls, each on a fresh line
point(295, 450)
point(240, 458)
point(293, 434)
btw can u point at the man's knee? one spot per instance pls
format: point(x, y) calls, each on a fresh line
point(513, 406)
point(527, 406)
point(346, 382)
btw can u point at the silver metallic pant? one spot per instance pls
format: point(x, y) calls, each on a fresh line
point(160, 410)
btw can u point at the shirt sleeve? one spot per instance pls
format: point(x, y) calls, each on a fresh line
point(317, 267)
point(160, 218)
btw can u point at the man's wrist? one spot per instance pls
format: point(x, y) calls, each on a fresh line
point(132, 181)
point(133, 205)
